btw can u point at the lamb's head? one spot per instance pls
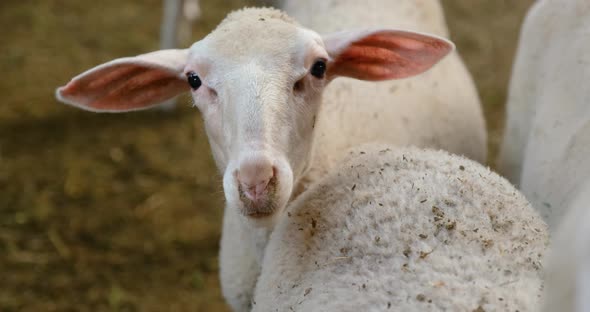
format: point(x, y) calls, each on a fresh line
point(257, 80)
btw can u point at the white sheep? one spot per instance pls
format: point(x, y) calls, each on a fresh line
point(547, 140)
point(258, 80)
point(568, 265)
point(405, 229)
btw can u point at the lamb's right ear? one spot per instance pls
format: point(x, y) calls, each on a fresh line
point(127, 84)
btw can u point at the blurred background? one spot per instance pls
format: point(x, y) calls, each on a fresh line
point(123, 212)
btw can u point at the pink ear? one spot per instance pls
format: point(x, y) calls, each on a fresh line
point(127, 84)
point(383, 54)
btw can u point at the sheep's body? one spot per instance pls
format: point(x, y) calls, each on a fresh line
point(405, 229)
point(568, 267)
point(438, 109)
point(547, 138)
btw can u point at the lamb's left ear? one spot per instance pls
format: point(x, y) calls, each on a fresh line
point(383, 54)
point(129, 83)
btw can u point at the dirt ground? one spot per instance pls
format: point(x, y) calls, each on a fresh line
point(122, 212)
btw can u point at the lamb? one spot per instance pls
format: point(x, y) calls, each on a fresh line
point(270, 132)
point(405, 229)
point(547, 137)
point(547, 140)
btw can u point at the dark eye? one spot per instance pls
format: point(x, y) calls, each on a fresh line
point(193, 80)
point(318, 69)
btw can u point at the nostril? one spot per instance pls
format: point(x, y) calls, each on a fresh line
point(274, 172)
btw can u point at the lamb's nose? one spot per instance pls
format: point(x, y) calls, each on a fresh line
point(254, 176)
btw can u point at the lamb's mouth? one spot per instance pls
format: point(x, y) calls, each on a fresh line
point(258, 215)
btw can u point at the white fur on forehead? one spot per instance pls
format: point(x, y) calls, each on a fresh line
point(253, 33)
point(257, 14)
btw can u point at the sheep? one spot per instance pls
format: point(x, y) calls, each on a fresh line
point(568, 265)
point(405, 229)
point(260, 98)
point(547, 140)
point(547, 137)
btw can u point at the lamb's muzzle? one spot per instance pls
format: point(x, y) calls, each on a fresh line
point(257, 181)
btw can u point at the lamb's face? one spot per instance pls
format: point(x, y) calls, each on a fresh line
point(258, 86)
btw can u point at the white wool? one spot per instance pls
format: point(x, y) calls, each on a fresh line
point(438, 109)
point(547, 138)
point(408, 230)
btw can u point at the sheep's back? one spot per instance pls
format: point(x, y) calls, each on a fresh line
point(407, 229)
